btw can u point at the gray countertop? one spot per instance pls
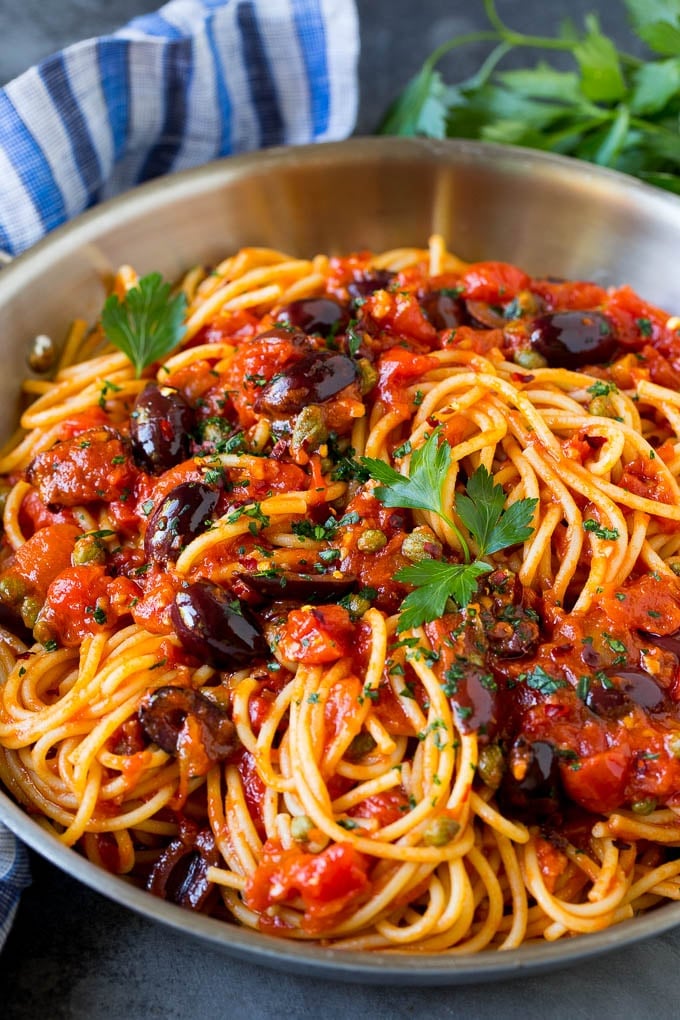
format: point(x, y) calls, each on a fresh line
point(74, 954)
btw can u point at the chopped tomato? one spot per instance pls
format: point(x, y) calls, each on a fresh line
point(569, 295)
point(44, 556)
point(551, 861)
point(495, 282)
point(77, 604)
point(397, 368)
point(34, 515)
point(253, 789)
point(599, 782)
point(386, 807)
point(94, 466)
point(315, 635)
point(401, 314)
point(326, 882)
point(342, 703)
point(635, 320)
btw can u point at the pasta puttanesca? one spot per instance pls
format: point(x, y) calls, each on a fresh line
point(506, 772)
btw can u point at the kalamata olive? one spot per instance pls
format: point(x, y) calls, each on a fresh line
point(444, 309)
point(640, 687)
point(321, 315)
point(181, 516)
point(160, 427)
point(571, 339)
point(531, 784)
point(366, 283)
point(669, 642)
point(215, 627)
point(608, 702)
point(164, 712)
point(304, 587)
point(316, 377)
point(484, 315)
point(180, 873)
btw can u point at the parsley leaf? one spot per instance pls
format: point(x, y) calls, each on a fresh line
point(147, 323)
point(421, 489)
point(480, 509)
point(482, 513)
point(611, 108)
point(436, 583)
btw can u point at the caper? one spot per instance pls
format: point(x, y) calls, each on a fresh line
point(602, 407)
point(42, 632)
point(309, 429)
point(12, 590)
point(371, 540)
point(441, 831)
point(300, 828)
point(421, 544)
point(368, 375)
point(30, 607)
point(356, 604)
point(88, 549)
point(645, 806)
point(491, 766)
point(361, 745)
point(529, 359)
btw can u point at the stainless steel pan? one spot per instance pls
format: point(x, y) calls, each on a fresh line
point(550, 215)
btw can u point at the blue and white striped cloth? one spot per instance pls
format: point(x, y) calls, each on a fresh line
point(171, 90)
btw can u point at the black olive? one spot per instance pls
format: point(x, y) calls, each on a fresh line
point(160, 428)
point(485, 316)
point(608, 702)
point(180, 873)
point(640, 687)
point(304, 587)
point(366, 283)
point(313, 379)
point(320, 315)
point(216, 627)
point(163, 712)
point(443, 310)
point(177, 519)
point(572, 339)
point(531, 784)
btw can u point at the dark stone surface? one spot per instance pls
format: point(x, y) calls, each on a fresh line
point(73, 954)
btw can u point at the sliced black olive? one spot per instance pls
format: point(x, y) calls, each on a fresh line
point(640, 687)
point(608, 702)
point(485, 316)
point(180, 517)
point(531, 784)
point(180, 873)
point(163, 714)
point(216, 627)
point(320, 315)
point(443, 310)
point(571, 339)
point(316, 377)
point(303, 587)
point(160, 428)
point(366, 283)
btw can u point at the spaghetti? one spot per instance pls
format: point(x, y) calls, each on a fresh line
point(208, 684)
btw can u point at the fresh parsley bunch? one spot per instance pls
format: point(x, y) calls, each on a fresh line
point(612, 109)
point(481, 510)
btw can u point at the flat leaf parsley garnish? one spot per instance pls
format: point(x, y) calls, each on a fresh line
point(147, 324)
point(481, 509)
point(610, 107)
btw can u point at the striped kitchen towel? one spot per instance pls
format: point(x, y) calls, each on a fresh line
point(197, 80)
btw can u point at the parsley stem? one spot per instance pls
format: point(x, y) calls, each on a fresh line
point(465, 548)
